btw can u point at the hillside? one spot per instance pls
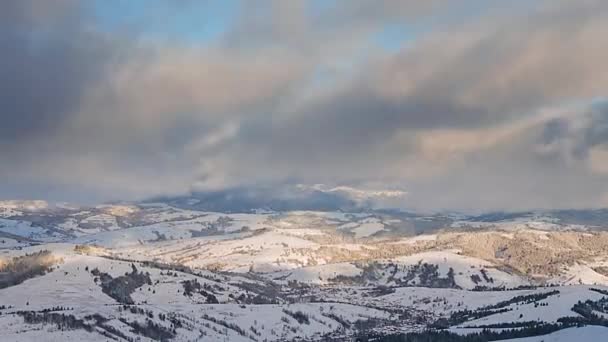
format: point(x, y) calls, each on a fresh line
point(152, 271)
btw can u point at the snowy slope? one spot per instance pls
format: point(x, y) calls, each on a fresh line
point(280, 276)
point(584, 334)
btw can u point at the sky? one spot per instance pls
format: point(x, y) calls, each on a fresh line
point(463, 104)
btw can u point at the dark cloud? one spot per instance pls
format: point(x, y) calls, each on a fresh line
point(49, 61)
point(577, 133)
point(554, 130)
point(597, 130)
point(352, 124)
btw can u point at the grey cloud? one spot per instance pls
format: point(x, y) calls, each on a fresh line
point(572, 136)
point(505, 74)
point(592, 131)
point(85, 109)
point(48, 62)
point(554, 130)
point(352, 124)
point(597, 130)
point(494, 79)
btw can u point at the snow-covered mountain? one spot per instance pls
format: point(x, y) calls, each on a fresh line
point(172, 270)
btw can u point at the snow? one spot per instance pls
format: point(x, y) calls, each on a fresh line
point(332, 215)
point(10, 243)
point(13, 329)
point(301, 232)
point(521, 223)
point(26, 230)
point(118, 210)
point(69, 224)
point(581, 274)
point(6, 212)
point(368, 229)
point(464, 267)
point(24, 205)
point(19, 228)
point(268, 251)
point(364, 228)
point(318, 275)
point(419, 238)
point(173, 228)
point(583, 334)
point(71, 285)
point(331, 256)
point(558, 306)
point(104, 221)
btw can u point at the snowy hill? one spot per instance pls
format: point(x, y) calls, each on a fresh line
point(155, 271)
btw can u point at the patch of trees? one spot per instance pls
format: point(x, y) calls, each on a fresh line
point(151, 330)
point(487, 278)
point(299, 316)
point(504, 288)
point(257, 299)
point(600, 291)
point(120, 288)
point(296, 285)
point(588, 309)
point(369, 273)
point(475, 278)
point(70, 322)
point(338, 319)
point(461, 316)
point(524, 299)
point(381, 290)
point(428, 276)
point(266, 293)
point(56, 308)
point(138, 311)
point(83, 249)
point(504, 325)
point(367, 324)
point(110, 331)
point(19, 269)
point(193, 286)
point(97, 323)
point(225, 324)
point(214, 228)
point(339, 279)
point(62, 321)
point(172, 268)
point(482, 336)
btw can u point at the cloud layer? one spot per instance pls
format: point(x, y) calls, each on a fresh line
point(467, 108)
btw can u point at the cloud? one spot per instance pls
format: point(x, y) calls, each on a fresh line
point(598, 160)
point(48, 61)
point(486, 110)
